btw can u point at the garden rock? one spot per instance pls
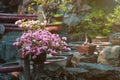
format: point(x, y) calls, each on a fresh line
point(76, 73)
point(110, 56)
point(89, 58)
point(8, 52)
point(100, 72)
point(73, 19)
point(77, 58)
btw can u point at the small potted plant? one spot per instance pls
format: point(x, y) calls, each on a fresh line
point(49, 7)
point(86, 48)
point(93, 24)
point(53, 11)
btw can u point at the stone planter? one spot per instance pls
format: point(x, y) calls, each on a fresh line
point(59, 18)
point(69, 57)
point(115, 38)
point(10, 67)
point(56, 60)
point(100, 39)
point(115, 41)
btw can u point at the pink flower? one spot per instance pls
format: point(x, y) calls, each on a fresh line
point(64, 38)
point(16, 43)
point(34, 57)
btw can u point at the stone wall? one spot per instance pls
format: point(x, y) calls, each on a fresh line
point(8, 52)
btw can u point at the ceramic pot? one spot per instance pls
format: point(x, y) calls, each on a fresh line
point(54, 28)
point(86, 49)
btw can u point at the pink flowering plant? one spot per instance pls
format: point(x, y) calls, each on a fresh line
point(41, 42)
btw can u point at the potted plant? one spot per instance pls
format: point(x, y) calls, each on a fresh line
point(53, 11)
point(49, 7)
point(36, 42)
point(86, 48)
point(48, 10)
point(92, 25)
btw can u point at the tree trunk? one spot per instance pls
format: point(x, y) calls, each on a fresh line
point(38, 67)
point(25, 75)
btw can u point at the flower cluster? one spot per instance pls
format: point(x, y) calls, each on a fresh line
point(29, 24)
point(41, 41)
